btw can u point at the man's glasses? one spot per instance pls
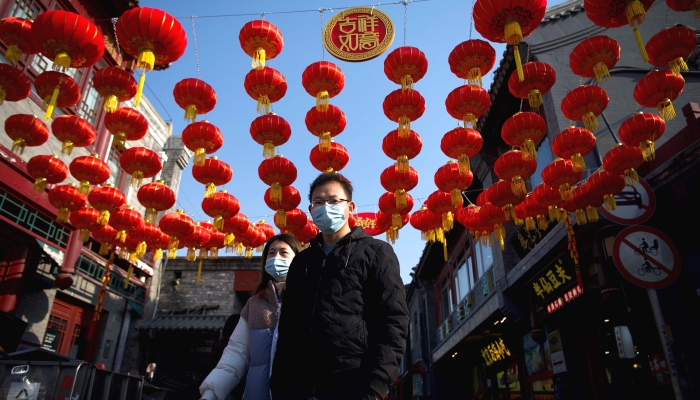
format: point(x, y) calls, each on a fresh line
point(330, 202)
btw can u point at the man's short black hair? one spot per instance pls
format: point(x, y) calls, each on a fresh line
point(326, 178)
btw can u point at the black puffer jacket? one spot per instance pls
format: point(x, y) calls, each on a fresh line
point(344, 320)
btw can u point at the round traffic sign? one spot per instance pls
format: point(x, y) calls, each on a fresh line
point(646, 257)
point(634, 205)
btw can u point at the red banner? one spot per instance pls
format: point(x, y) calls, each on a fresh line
point(368, 221)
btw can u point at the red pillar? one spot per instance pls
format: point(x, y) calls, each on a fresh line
point(64, 280)
point(11, 277)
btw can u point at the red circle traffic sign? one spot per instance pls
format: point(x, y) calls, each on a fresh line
point(646, 257)
point(635, 205)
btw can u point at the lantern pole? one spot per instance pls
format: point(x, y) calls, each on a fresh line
point(665, 343)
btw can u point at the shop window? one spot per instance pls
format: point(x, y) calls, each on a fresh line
point(25, 9)
point(484, 259)
point(544, 158)
point(463, 282)
point(446, 298)
point(90, 100)
point(116, 176)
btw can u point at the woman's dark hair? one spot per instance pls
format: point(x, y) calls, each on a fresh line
point(265, 277)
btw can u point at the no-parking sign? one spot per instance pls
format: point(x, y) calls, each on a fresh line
point(634, 205)
point(646, 257)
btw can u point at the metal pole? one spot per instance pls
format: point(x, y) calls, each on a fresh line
point(668, 353)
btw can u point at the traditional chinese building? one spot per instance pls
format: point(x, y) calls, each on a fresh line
point(513, 322)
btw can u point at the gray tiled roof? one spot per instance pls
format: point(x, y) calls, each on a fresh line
point(184, 323)
point(563, 10)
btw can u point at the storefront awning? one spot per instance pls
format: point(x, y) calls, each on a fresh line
point(184, 323)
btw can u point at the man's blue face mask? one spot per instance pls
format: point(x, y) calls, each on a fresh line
point(329, 218)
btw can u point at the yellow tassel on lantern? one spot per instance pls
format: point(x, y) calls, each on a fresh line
point(528, 149)
point(209, 190)
point(200, 155)
point(509, 212)
point(173, 243)
point(111, 103)
point(464, 164)
point(146, 60)
point(258, 61)
point(121, 236)
point(447, 221)
point(137, 179)
point(133, 257)
point(151, 214)
point(486, 239)
point(534, 97)
point(517, 185)
point(199, 272)
point(514, 35)
point(423, 236)
point(62, 61)
point(400, 198)
point(456, 197)
point(396, 221)
point(172, 254)
point(590, 121)
point(391, 235)
point(406, 83)
point(631, 177)
point(474, 77)
point(281, 218)
point(103, 218)
point(63, 214)
point(469, 120)
point(565, 191)
point(500, 233)
point(51, 103)
point(696, 9)
point(640, 44)
point(128, 276)
point(609, 202)
point(404, 126)
point(402, 164)
point(592, 214)
point(276, 192)
point(141, 249)
point(328, 170)
point(104, 249)
point(553, 213)
point(84, 235)
point(439, 235)
point(191, 254)
point(214, 253)
point(240, 249)
point(322, 101)
point(203, 253)
point(229, 240)
point(580, 217)
point(218, 223)
point(601, 72)
point(248, 253)
point(530, 224)
point(119, 141)
point(191, 113)
point(18, 144)
point(666, 110)
point(158, 254)
point(13, 54)
point(542, 222)
point(263, 106)
point(268, 149)
point(139, 91)
point(40, 185)
point(578, 162)
point(67, 147)
point(648, 150)
point(84, 187)
point(324, 142)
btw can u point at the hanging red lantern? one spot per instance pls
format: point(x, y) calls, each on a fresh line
point(266, 229)
point(159, 245)
point(140, 163)
point(177, 225)
point(585, 103)
point(66, 198)
point(220, 206)
point(233, 228)
point(642, 129)
point(658, 89)
point(325, 124)
point(618, 13)
point(56, 90)
point(539, 79)
point(333, 160)
point(25, 130)
point(89, 170)
point(16, 33)
point(46, 169)
point(462, 144)
point(402, 148)
point(270, 130)
point(472, 59)
point(501, 194)
point(85, 219)
point(524, 130)
point(67, 39)
point(107, 200)
point(393, 180)
point(387, 204)
point(538, 211)
point(624, 159)
point(72, 131)
point(145, 233)
point(449, 179)
point(440, 203)
point(266, 86)
point(492, 217)
point(524, 213)
point(323, 80)
point(404, 107)
point(262, 41)
point(212, 173)
point(289, 200)
point(574, 204)
point(594, 57)
point(671, 47)
point(277, 172)
point(310, 231)
point(196, 240)
point(430, 226)
point(467, 103)
point(202, 138)
point(126, 124)
point(593, 200)
point(561, 174)
point(153, 37)
point(295, 222)
point(115, 84)
point(608, 185)
point(252, 239)
point(194, 96)
point(405, 66)
point(14, 85)
point(105, 235)
point(391, 226)
point(684, 6)
point(216, 242)
point(128, 252)
point(156, 197)
point(508, 22)
point(515, 166)
point(549, 197)
point(574, 143)
point(124, 221)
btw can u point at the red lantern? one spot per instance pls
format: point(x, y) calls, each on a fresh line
point(128, 252)
point(325, 124)
point(449, 179)
point(153, 37)
point(216, 241)
point(402, 148)
point(266, 229)
point(310, 230)
point(202, 138)
point(177, 225)
point(323, 80)
point(515, 166)
point(155, 196)
point(57, 90)
point(615, 14)
point(140, 163)
point(262, 41)
point(266, 86)
point(333, 160)
point(574, 143)
point(471, 60)
point(642, 129)
point(195, 96)
point(404, 107)
point(126, 124)
point(524, 130)
point(430, 226)
point(658, 89)
point(462, 144)
point(387, 204)
point(25, 130)
point(550, 198)
point(671, 47)
point(440, 203)
point(116, 85)
point(578, 203)
point(159, 245)
point(212, 173)
point(386, 222)
point(608, 185)
point(14, 85)
point(508, 22)
point(146, 233)
point(107, 200)
point(270, 130)
point(67, 39)
point(524, 213)
point(491, 215)
point(296, 221)
point(277, 172)
point(593, 201)
point(73, 131)
point(467, 103)
point(585, 103)
point(124, 221)
point(405, 66)
point(89, 170)
point(85, 219)
point(501, 194)
point(16, 33)
point(537, 211)
point(105, 235)
point(220, 206)
point(196, 240)
point(66, 198)
point(624, 159)
point(233, 227)
point(252, 239)
point(561, 174)
point(685, 5)
point(393, 180)
point(46, 169)
point(290, 199)
point(539, 78)
point(595, 57)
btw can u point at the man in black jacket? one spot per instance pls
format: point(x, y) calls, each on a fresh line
point(343, 323)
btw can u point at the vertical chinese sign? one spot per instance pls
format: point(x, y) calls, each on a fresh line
point(358, 34)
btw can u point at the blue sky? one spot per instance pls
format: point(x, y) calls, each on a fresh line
point(435, 27)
